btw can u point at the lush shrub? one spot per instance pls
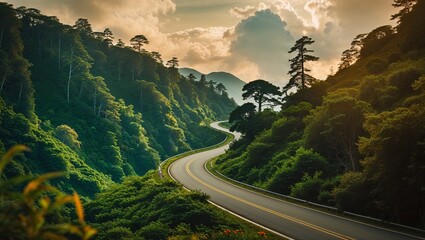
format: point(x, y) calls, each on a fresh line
point(154, 231)
point(403, 80)
point(292, 171)
point(376, 65)
point(258, 154)
point(68, 136)
point(308, 188)
point(36, 211)
point(352, 194)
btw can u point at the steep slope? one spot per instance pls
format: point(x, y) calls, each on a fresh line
point(232, 83)
point(354, 141)
point(101, 112)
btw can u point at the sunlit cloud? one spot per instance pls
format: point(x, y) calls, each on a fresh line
point(247, 11)
point(248, 38)
point(243, 12)
point(263, 40)
point(318, 11)
point(126, 18)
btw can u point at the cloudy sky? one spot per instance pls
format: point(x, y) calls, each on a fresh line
point(249, 38)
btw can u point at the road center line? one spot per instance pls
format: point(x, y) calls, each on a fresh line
point(329, 232)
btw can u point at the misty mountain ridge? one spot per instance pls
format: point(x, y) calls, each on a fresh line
point(232, 83)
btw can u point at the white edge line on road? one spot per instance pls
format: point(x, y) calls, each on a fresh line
point(312, 209)
point(316, 210)
point(247, 220)
point(234, 214)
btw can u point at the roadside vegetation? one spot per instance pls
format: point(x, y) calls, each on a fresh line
point(354, 141)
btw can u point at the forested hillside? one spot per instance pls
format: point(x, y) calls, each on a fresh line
point(94, 110)
point(355, 141)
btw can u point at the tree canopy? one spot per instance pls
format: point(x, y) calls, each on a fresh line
point(138, 41)
point(405, 5)
point(173, 62)
point(354, 141)
point(261, 91)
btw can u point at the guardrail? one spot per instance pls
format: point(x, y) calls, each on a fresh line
point(278, 194)
point(315, 204)
point(193, 150)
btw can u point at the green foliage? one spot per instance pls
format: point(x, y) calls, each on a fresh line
point(308, 188)
point(405, 5)
point(364, 126)
point(353, 193)
point(376, 65)
point(403, 80)
point(51, 155)
point(299, 72)
point(28, 214)
point(143, 208)
point(16, 86)
point(395, 164)
point(262, 92)
point(411, 35)
point(304, 162)
point(241, 116)
point(68, 136)
point(377, 92)
point(333, 129)
point(153, 231)
point(257, 154)
point(374, 41)
point(91, 125)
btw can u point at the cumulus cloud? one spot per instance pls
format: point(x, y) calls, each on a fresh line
point(126, 18)
point(318, 10)
point(247, 11)
point(200, 45)
point(243, 12)
point(263, 40)
point(332, 24)
point(254, 46)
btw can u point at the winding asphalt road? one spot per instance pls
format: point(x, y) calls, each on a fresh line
point(286, 219)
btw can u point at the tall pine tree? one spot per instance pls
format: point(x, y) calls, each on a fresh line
point(299, 77)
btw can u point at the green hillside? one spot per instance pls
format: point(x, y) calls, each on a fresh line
point(354, 141)
point(96, 111)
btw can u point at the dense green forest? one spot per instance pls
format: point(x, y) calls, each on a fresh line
point(101, 114)
point(356, 140)
point(145, 208)
point(139, 208)
point(94, 110)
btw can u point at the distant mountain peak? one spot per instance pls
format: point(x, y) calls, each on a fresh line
point(232, 83)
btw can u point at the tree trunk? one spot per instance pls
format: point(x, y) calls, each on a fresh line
point(69, 75)
point(20, 93)
point(2, 82)
point(81, 88)
point(100, 107)
point(302, 67)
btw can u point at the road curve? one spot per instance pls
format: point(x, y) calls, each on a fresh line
point(287, 219)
